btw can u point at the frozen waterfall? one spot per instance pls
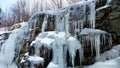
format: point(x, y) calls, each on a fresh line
point(54, 37)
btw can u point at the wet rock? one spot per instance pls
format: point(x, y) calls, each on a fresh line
point(114, 15)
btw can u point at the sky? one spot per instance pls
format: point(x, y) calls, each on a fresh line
point(6, 4)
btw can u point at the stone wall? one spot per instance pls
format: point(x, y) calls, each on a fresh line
point(108, 19)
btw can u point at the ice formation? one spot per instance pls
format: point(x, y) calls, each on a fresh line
point(59, 43)
point(12, 46)
point(70, 20)
point(73, 46)
point(94, 35)
point(69, 25)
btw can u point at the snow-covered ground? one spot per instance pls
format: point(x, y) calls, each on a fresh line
point(114, 63)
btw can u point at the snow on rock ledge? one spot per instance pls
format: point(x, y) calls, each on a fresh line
point(89, 31)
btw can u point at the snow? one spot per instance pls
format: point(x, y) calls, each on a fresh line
point(111, 54)
point(88, 31)
point(3, 32)
point(101, 8)
point(44, 39)
point(51, 12)
point(52, 65)
point(108, 4)
point(35, 59)
point(114, 63)
point(47, 41)
point(32, 60)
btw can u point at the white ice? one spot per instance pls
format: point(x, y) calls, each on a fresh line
point(74, 45)
point(111, 54)
point(52, 65)
point(36, 59)
point(11, 46)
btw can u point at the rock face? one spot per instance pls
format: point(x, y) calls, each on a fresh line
point(108, 20)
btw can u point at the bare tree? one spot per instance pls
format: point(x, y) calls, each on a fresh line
point(23, 9)
point(19, 12)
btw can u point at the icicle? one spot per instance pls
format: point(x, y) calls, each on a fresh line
point(97, 47)
point(57, 21)
point(44, 24)
point(92, 14)
point(60, 21)
point(104, 39)
point(82, 24)
point(75, 29)
point(67, 23)
point(64, 55)
point(92, 43)
point(110, 40)
point(81, 55)
point(74, 45)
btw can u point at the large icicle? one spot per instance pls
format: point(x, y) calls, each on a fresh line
point(10, 49)
point(92, 13)
point(74, 45)
point(94, 36)
point(97, 47)
point(58, 54)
